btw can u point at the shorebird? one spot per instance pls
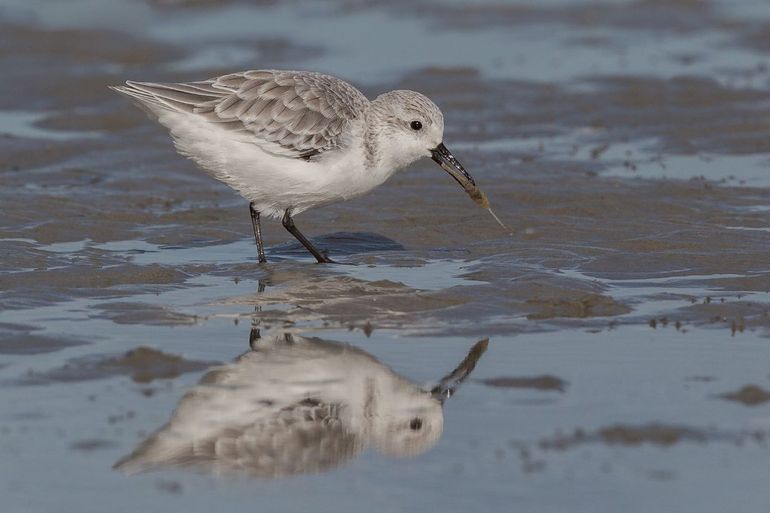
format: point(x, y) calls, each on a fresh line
point(288, 141)
point(296, 405)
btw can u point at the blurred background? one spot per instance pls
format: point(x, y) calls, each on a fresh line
point(626, 142)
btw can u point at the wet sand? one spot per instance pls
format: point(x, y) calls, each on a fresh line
point(626, 144)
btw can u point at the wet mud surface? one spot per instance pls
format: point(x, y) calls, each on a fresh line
point(142, 365)
point(626, 144)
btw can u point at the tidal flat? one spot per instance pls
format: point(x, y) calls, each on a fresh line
point(625, 143)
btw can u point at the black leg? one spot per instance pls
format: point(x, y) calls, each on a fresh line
point(254, 334)
point(257, 234)
point(288, 223)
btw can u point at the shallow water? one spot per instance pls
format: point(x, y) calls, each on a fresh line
point(626, 143)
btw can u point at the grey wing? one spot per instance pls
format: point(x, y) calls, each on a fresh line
point(295, 114)
point(305, 438)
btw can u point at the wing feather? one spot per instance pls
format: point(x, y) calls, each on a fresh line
point(296, 114)
point(300, 439)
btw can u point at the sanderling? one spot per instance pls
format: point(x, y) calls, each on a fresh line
point(291, 140)
point(295, 405)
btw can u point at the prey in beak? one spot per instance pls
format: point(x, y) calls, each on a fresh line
point(444, 158)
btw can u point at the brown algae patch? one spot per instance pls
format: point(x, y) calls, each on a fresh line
point(23, 339)
point(88, 277)
point(749, 395)
point(545, 383)
point(29, 343)
point(143, 313)
point(142, 365)
point(653, 434)
point(727, 312)
point(583, 306)
point(663, 435)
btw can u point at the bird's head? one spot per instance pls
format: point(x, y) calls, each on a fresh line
point(413, 127)
point(411, 121)
point(410, 423)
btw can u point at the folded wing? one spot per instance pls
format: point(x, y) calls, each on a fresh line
point(288, 113)
point(305, 438)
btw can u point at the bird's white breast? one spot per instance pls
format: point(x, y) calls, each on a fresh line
point(275, 183)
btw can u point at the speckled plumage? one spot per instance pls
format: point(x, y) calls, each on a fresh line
point(293, 405)
point(291, 114)
point(291, 140)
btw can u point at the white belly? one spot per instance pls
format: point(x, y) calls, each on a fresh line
point(273, 183)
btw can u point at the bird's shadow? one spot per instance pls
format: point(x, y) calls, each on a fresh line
point(340, 243)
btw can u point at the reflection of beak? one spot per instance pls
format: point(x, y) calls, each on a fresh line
point(449, 384)
point(451, 165)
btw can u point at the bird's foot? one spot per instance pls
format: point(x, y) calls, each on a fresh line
point(326, 260)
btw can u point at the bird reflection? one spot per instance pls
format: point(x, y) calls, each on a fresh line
point(296, 405)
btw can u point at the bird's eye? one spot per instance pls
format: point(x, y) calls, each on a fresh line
point(415, 424)
point(416, 125)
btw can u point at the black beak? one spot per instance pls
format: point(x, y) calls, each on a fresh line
point(449, 384)
point(451, 165)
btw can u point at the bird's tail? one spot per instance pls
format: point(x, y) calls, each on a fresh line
point(144, 458)
point(142, 98)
